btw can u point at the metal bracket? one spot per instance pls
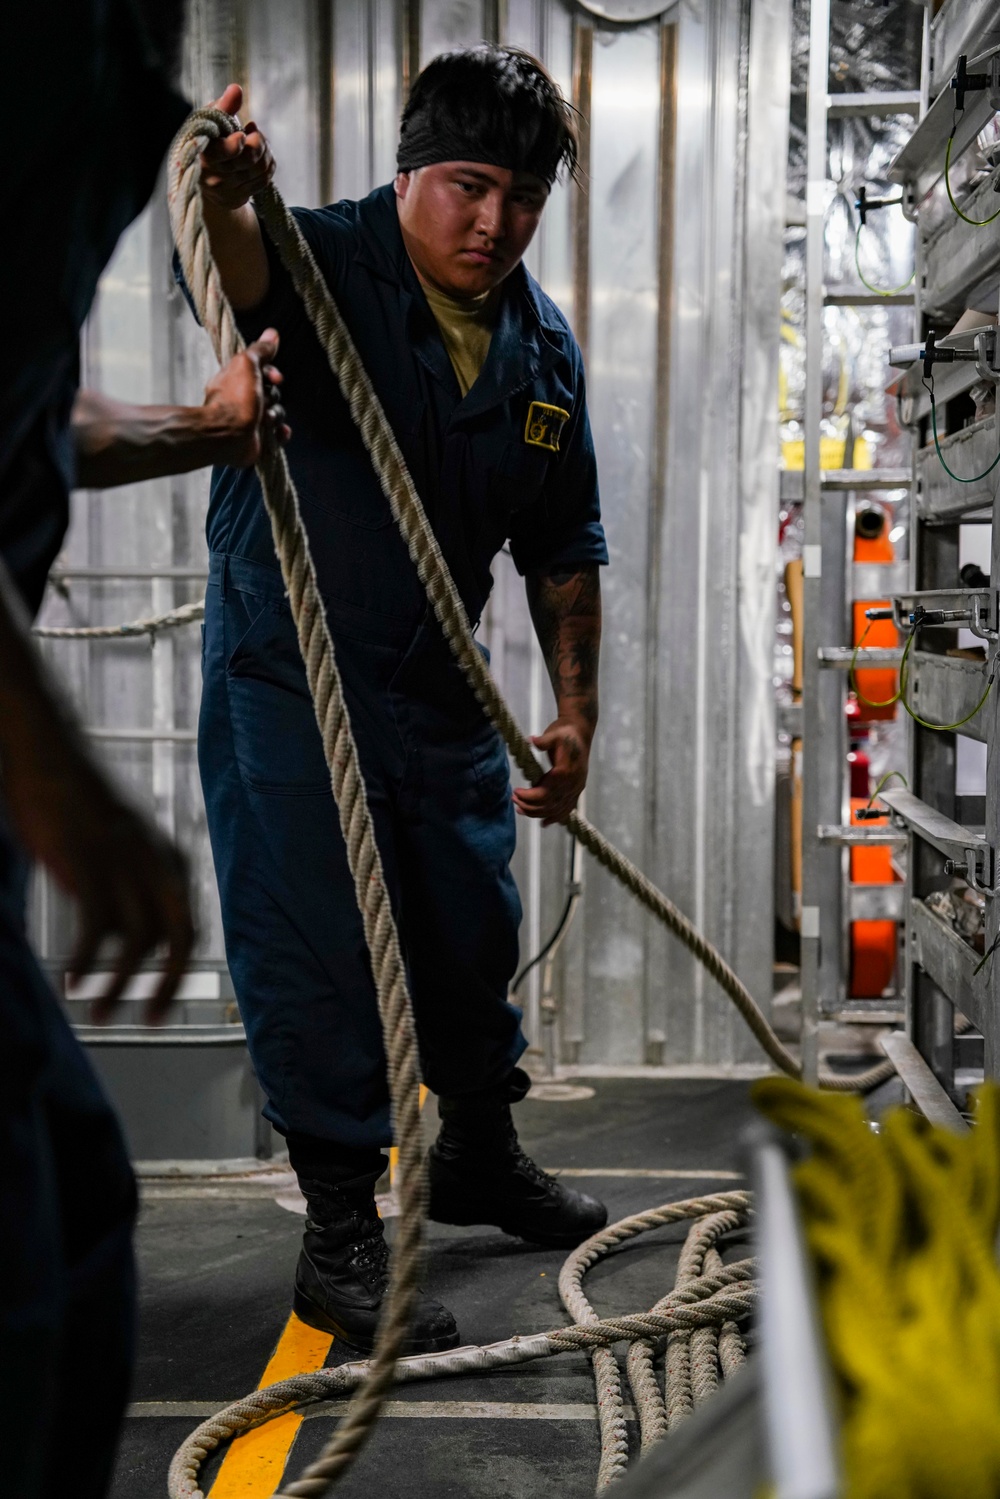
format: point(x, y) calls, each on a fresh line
point(977, 609)
point(934, 350)
point(866, 205)
point(976, 860)
point(965, 82)
point(965, 852)
point(977, 624)
point(986, 356)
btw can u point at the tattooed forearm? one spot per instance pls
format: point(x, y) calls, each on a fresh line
point(566, 612)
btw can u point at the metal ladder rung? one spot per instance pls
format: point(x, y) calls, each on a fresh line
point(881, 103)
point(850, 296)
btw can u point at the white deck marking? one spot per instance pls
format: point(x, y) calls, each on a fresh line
point(407, 1410)
point(666, 1173)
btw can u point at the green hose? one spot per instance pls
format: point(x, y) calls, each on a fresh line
point(880, 291)
point(976, 223)
point(975, 478)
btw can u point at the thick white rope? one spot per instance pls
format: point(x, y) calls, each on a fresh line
point(727, 1302)
point(726, 1296)
point(292, 547)
point(174, 619)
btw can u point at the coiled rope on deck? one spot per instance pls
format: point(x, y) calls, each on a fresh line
point(707, 1294)
point(306, 604)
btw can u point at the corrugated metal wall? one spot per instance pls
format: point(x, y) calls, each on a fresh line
point(668, 263)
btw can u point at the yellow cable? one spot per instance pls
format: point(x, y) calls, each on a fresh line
point(939, 728)
point(899, 696)
point(887, 777)
point(853, 681)
point(976, 223)
point(880, 291)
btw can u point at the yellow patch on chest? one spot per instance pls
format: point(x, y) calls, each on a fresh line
point(544, 425)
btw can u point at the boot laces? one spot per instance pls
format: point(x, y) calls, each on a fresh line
point(371, 1257)
point(523, 1162)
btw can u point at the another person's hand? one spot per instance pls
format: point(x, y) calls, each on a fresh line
point(554, 797)
point(243, 398)
point(129, 882)
point(239, 165)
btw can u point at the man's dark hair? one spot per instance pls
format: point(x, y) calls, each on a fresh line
point(491, 104)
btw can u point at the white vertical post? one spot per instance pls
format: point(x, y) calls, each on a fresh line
point(812, 956)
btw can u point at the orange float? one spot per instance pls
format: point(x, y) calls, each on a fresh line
point(875, 685)
point(873, 943)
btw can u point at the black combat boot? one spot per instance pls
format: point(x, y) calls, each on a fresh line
point(343, 1270)
point(478, 1173)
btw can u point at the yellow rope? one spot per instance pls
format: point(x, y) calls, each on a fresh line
point(902, 1228)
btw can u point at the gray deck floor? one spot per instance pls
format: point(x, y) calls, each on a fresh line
point(216, 1276)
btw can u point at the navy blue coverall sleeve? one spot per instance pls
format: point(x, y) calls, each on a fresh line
point(568, 534)
point(330, 240)
point(282, 307)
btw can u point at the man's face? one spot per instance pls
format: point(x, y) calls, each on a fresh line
point(466, 225)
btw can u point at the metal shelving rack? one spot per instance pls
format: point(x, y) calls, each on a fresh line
point(942, 833)
point(948, 834)
point(831, 581)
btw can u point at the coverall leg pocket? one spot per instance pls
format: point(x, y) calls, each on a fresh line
point(294, 938)
point(460, 915)
point(276, 738)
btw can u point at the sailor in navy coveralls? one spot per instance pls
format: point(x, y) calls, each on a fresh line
point(425, 271)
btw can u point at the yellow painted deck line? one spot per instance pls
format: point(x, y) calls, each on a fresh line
point(254, 1464)
point(394, 1149)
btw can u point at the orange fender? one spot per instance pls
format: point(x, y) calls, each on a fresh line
point(876, 684)
point(873, 943)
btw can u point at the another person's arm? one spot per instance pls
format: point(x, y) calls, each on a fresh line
point(117, 443)
point(129, 883)
point(566, 612)
point(233, 169)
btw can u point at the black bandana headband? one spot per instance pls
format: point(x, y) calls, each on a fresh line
point(494, 105)
point(425, 143)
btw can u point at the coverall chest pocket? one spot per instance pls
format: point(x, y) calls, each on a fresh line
point(341, 481)
point(518, 479)
point(276, 739)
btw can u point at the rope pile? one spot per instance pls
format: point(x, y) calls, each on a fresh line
point(174, 619)
point(699, 1317)
point(707, 1296)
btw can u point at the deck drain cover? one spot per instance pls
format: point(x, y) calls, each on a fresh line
point(547, 1092)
